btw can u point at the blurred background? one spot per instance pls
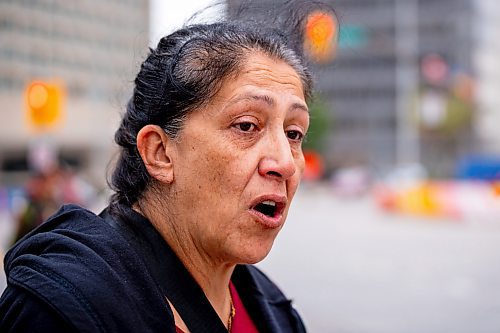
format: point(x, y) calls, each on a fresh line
point(396, 227)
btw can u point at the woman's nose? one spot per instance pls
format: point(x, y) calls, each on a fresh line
point(277, 160)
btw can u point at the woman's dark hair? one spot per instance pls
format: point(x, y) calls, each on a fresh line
point(185, 71)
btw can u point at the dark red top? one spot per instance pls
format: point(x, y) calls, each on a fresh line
point(242, 323)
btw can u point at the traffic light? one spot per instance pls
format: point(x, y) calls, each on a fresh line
point(44, 104)
point(320, 40)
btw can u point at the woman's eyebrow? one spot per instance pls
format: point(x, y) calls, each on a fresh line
point(265, 98)
point(299, 106)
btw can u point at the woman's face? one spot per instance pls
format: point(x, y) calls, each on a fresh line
point(238, 162)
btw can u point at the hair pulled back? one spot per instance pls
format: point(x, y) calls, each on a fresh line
point(184, 72)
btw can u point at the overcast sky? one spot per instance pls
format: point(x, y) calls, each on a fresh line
point(168, 15)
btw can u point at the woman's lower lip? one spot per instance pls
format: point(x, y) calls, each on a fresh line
point(267, 221)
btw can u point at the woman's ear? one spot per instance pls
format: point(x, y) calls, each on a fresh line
point(156, 149)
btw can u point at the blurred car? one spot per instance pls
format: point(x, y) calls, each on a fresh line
point(351, 182)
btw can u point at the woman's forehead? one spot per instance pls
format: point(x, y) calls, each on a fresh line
point(261, 72)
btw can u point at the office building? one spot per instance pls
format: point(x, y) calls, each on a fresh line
point(413, 82)
point(91, 49)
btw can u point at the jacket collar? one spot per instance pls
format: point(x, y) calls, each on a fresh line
point(177, 284)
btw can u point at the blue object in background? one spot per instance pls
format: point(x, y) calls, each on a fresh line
point(12, 199)
point(479, 167)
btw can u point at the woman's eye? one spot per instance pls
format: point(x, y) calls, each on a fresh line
point(294, 135)
point(245, 127)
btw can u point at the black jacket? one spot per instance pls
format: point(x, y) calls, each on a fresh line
point(79, 272)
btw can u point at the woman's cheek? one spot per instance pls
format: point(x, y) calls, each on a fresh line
point(300, 162)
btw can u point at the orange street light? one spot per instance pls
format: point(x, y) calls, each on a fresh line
point(43, 104)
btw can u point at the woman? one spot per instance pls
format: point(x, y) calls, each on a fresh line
point(210, 161)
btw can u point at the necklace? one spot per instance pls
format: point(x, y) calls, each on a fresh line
point(231, 314)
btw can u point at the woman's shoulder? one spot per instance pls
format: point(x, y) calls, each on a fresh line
point(82, 267)
point(70, 222)
point(69, 239)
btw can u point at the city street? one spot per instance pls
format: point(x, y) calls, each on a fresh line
point(351, 268)
point(402, 100)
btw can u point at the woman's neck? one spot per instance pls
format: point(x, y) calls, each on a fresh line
point(211, 274)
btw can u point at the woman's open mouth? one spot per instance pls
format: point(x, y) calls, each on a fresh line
point(269, 211)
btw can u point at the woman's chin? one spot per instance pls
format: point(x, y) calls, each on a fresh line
point(252, 255)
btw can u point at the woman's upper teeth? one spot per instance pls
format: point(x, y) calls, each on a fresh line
point(269, 202)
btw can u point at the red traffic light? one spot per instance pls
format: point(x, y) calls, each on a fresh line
point(321, 36)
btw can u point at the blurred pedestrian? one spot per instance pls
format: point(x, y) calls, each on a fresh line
point(49, 186)
point(45, 193)
point(210, 161)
